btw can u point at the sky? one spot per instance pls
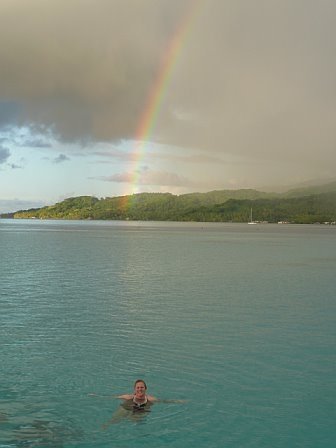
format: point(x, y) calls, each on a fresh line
point(115, 97)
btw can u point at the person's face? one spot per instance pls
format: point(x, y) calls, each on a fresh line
point(140, 390)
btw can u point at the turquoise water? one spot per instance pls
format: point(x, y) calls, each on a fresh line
point(238, 320)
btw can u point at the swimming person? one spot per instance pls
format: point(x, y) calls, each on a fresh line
point(135, 405)
point(139, 400)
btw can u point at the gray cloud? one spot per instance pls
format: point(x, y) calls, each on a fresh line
point(147, 177)
point(114, 155)
point(4, 155)
point(255, 80)
point(61, 158)
point(36, 143)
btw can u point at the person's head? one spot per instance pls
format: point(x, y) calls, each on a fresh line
point(140, 388)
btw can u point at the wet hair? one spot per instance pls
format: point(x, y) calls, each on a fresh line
point(140, 381)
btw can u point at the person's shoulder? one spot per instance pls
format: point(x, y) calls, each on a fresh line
point(151, 398)
point(125, 396)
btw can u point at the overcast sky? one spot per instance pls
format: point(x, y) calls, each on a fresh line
point(251, 101)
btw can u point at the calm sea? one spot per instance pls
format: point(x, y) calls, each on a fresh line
point(237, 320)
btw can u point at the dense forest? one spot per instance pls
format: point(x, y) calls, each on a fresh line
point(310, 205)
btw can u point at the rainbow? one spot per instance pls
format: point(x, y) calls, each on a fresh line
point(158, 91)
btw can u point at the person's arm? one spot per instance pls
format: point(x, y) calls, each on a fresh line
point(125, 396)
point(158, 400)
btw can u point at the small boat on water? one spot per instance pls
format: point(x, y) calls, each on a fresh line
point(251, 218)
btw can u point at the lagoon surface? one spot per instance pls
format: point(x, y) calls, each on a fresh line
point(238, 320)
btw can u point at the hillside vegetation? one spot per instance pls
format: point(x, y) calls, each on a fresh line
point(310, 205)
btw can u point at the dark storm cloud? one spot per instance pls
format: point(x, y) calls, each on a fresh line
point(83, 68)
point(255, 79)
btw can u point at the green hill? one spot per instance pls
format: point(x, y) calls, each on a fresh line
point(142, 206)
point(304, 210)
point(305, 205)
